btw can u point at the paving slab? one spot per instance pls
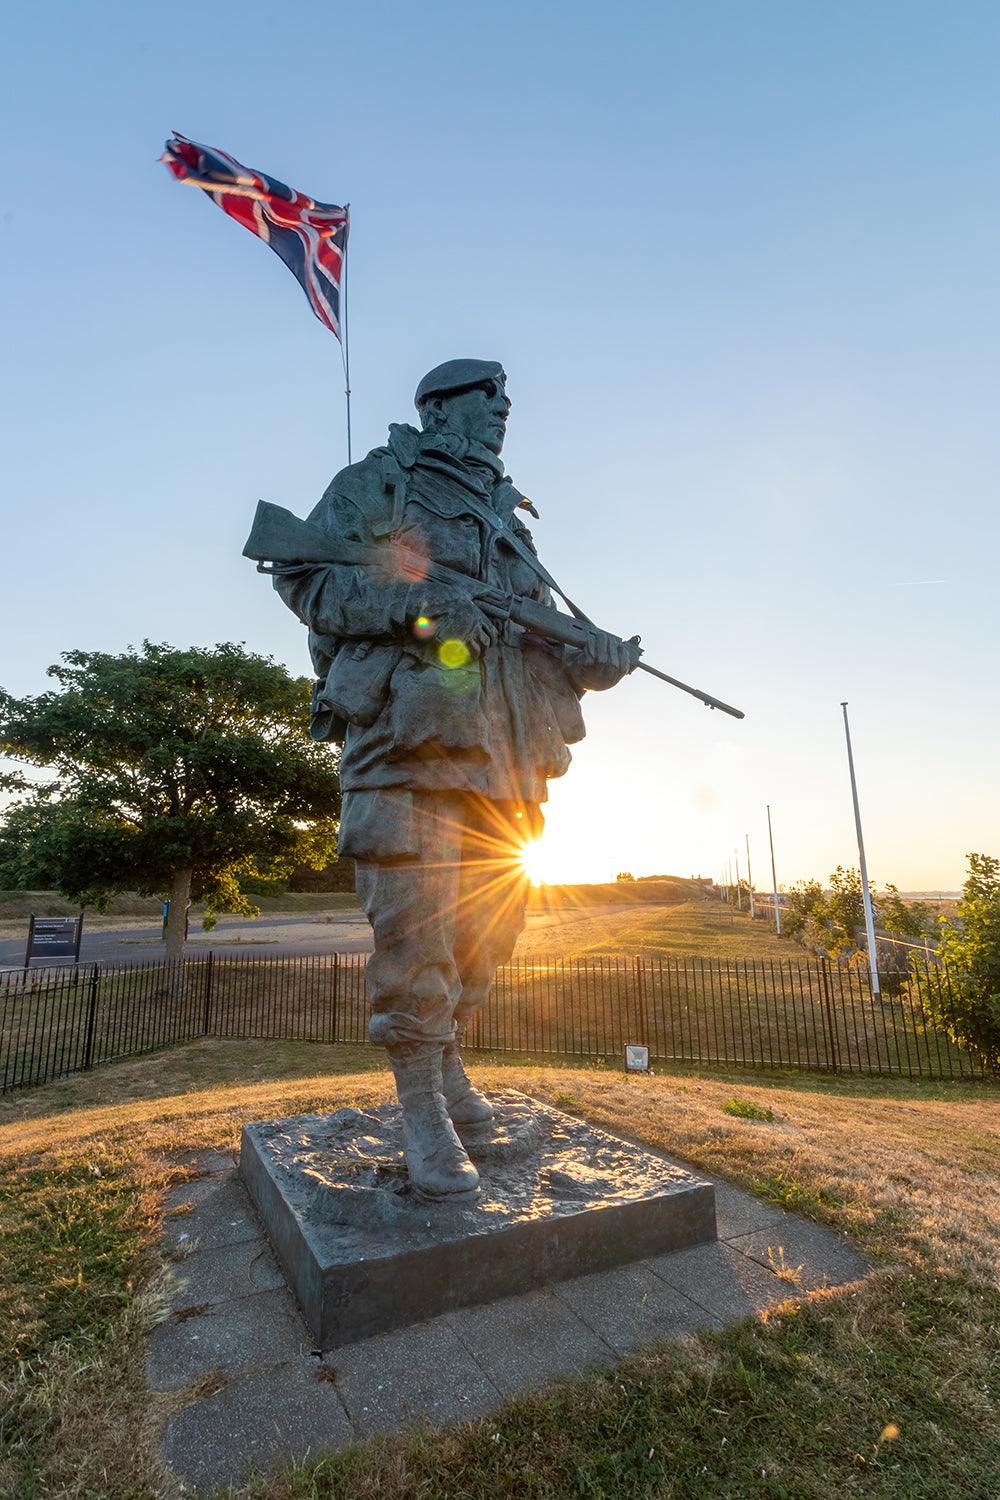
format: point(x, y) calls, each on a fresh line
point(229, 1271)
point(262, 1328)
point(521, 1343)
point(723, 1281)
point(820, 1257)
point(264, 1420)
point(738, 1212)
point(420, 1373)
point(205, 1160)
point(631, 1306)
point(209, 1212)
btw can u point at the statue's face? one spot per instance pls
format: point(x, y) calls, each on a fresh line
point(480, 414)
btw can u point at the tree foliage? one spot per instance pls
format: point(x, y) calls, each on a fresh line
point(964, 1001)
point(170, 769)
point(844, 911)
point(802, 903)
point(831, 922)
point(902, 918)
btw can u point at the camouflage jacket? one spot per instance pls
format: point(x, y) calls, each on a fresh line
point(499, 725)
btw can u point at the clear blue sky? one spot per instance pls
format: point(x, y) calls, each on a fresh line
point(741, 264)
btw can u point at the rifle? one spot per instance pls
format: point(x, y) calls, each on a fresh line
point(282, 539)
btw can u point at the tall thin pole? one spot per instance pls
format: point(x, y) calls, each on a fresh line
point(866, 894)
point(750, 879)
point(345, 343)
point(739, 888)
point(774, 874)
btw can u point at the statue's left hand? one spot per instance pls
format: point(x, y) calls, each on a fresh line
point(604, 661)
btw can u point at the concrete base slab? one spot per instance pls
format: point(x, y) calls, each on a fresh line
point(559, 1199)
point(257, 1393)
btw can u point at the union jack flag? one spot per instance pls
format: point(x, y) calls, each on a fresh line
point(310, 237)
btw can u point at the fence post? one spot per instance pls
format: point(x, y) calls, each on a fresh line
point(207, 1015)
point(828, 1012)
point(639, 1010)
point(335, 996)
point(88, 1046)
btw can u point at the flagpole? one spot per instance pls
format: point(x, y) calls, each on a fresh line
point(750, 878)
point(345, 342)
point(865, 892)
point(774, 874)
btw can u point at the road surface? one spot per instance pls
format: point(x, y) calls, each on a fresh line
point(301, 935)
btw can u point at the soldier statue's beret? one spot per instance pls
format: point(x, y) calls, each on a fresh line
point(457, 375)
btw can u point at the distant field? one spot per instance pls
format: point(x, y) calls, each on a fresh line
point(694, 927)
point(131, 911)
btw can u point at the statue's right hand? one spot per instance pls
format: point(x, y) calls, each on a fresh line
point(445, 614)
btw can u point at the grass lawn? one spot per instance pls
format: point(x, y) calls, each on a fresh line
point(888, 1389)
point(704, 927)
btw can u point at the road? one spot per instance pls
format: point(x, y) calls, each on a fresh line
point(279, 936)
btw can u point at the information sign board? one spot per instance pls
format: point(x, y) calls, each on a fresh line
point(53, 937)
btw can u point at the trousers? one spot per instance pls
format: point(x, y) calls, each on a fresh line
point(442, 879)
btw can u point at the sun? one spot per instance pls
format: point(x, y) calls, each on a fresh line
point(534, 862)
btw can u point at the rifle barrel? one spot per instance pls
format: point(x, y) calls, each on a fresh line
point(706, 698)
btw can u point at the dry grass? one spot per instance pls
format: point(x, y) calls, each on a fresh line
point(701, 927)
point(793, 1408)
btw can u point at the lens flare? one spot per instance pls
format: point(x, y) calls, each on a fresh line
point(453, 653)
point(423, 626)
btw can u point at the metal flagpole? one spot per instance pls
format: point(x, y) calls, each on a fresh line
point(774, 874)
point(750, 878)
point(739, 888)
point(345, 346)
point(866, 894)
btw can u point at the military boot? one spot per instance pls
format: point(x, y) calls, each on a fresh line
point(466, 1105)
point(437, 1162)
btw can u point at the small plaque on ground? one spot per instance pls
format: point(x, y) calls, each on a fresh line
point(559, 1198)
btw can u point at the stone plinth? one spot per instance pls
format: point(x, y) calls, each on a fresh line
point(363, 1254)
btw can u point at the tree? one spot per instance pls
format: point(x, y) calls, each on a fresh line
point(804, 903)
point(179, 772)
point(902, 918)
point(964, 999)
point(845, 910)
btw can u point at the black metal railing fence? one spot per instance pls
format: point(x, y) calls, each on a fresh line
point(751, 1013)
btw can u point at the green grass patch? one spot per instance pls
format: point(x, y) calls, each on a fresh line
point(746, 1109)
point(801, 1197)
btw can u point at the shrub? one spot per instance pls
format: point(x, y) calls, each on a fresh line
point(964, 1001)
point(804, 902)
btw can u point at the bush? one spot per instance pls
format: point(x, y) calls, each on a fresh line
point(965, 1000)
point(805, 902)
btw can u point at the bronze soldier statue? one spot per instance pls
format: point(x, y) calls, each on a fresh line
point(452, 719)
